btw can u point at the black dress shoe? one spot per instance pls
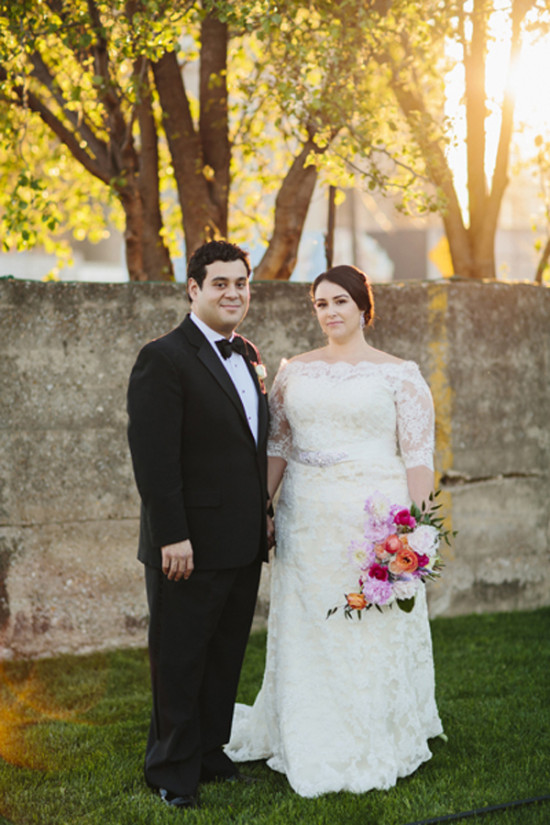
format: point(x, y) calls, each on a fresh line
point(175, 801)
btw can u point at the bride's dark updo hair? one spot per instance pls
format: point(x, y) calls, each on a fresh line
point(353, 281)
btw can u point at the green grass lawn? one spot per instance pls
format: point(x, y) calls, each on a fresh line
point(72, 734)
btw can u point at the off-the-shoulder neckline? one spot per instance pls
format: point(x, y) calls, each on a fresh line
point(316, 361)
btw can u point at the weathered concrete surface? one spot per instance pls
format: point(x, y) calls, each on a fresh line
point(69, 580)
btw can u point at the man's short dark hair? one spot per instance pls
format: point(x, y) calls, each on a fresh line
point(213, 251)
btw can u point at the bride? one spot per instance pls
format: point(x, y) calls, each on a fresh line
point(344, 705)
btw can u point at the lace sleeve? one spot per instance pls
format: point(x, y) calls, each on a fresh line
point(280, 435)
point(415, 419)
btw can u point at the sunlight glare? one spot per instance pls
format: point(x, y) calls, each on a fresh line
point(525, 77)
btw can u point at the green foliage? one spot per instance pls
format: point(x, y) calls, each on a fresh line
point(329, 69)
point(45, 199)
point(76, 67)
point(73, 730)
point(297, 71)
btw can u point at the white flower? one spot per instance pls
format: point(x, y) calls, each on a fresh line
point(260, 371)
point(433, 560)
point(405, 588)
point(424, 540)
point(379, 507)
point(359, 554)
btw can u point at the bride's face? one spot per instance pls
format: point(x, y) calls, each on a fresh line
point(337, 313)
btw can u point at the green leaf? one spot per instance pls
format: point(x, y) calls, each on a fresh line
point(406, 605)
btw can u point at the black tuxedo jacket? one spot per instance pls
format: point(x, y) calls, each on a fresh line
point(199, 472)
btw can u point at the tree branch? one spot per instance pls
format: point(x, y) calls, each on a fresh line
point(543, 263)
point(291, 208)
point(121, 134)
point(500, 173)
point(43, 75)
point(415, 112)
point(26, 99)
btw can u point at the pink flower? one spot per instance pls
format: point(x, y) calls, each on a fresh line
point(375, 531)
point(378, 592)
point(404, 518)
point(378, 572)
point(380, 513)
point(423, 559)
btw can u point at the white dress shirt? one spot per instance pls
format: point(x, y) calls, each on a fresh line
point(239, 374)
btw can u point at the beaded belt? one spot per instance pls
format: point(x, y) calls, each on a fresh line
point(318, 458)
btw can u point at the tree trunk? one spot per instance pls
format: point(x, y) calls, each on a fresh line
point(291, 208)
point(213, 123)
point(472, 249)
point(198, 214)
point(414, 110)
point(331, 223)
point(476, 114)
point(543, 263)
point(485, 238)
point(156, 260)
point(133, 232)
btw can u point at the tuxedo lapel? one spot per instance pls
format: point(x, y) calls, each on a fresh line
point(208, 357)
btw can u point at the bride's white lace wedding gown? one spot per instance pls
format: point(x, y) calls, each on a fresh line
point(344, 705)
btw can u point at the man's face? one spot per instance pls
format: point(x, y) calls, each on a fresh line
point(223, 300)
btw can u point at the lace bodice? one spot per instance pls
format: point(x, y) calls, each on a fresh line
point(322, 413)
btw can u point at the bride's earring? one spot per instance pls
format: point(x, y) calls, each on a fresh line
point(362, 322)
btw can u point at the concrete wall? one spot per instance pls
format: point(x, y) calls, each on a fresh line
point(69, 580)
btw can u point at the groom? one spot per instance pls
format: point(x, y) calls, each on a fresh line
point(197, 433)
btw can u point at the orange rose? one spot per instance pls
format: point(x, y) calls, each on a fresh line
point(405, 561)
point(380, 552)
point(356, 601)
point(393, 544)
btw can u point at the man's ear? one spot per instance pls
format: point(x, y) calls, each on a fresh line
point(192, 288)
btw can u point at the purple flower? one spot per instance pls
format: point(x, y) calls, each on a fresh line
point(378, 592)
point(376, 531)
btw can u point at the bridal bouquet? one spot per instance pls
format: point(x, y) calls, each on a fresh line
point(399, 550)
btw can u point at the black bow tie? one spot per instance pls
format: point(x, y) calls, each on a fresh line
point(227, 348)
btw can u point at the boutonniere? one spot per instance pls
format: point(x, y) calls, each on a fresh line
point(261, 372)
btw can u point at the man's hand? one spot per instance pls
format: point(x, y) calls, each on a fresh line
point(270, 533)
point(177, 560)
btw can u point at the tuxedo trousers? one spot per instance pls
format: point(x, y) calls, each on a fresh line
point(198, 631)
